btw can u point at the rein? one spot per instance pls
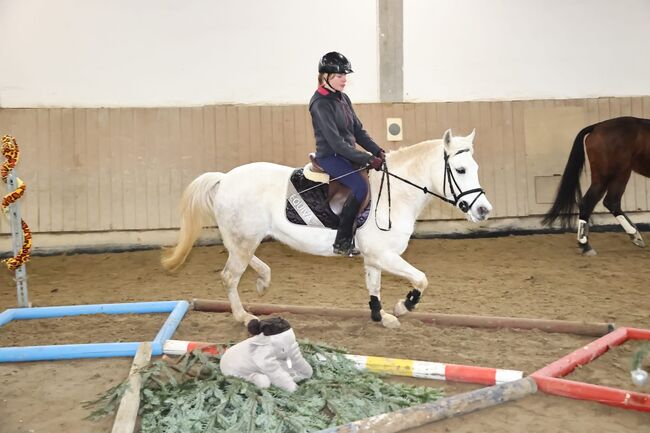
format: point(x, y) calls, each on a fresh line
point(463, 206)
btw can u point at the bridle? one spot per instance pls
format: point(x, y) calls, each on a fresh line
point(448, 178)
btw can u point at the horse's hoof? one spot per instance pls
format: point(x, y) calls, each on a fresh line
point(638, 240)
point(247, 318)
point(261, 287)
point(389, 321)
point(589, 253)
point(400, 309)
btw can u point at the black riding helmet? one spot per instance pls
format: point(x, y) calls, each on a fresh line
point(334, 63)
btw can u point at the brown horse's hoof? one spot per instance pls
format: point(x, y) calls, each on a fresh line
point(589, 252)
point(637, 240)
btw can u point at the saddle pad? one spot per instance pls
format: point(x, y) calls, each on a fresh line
point(311, 207)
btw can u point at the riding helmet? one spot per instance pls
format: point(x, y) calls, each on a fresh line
point(334, 63)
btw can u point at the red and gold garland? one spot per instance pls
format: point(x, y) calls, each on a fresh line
point(11, 152)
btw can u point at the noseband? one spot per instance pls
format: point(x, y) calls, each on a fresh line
point(463, 206)
point(456, 192)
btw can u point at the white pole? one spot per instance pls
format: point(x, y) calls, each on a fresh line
point(17, 240)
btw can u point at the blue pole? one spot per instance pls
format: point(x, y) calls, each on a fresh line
point(169, 327)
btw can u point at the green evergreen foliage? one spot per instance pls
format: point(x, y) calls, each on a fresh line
point(193, 396)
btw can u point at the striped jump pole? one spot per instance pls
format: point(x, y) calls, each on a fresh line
point(437, 319)
point(395, 367)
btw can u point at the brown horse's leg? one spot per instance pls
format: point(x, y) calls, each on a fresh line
point(587, 205)
point(612, 202)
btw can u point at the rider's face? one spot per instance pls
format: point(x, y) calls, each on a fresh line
point(337, 81)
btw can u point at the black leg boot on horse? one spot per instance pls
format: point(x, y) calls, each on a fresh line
point(344, 242)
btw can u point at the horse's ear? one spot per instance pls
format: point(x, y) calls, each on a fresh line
point(446, 138)
point(470, 137)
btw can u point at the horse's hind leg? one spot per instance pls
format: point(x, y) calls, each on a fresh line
point(241, 248)
point(587, 205)
point(613, 203)
point(230, 275)
point(264, 272)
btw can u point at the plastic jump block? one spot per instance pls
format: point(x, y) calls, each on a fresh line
point(549, 379)
point(396, 367)
point(177, 310)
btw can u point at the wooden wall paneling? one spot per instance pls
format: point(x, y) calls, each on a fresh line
point(186, 147)
point(166, 163)
point(519, 142)
point(243, 135)
point(420, 122)
point(106, 170)
point(436, 126)
point(68, 169)
point(148, 168)
point(255, 138)
point(509, 158)
point(220, 145)
point(411, 134)
point(81, 171)
point(24, 124)
point(277, 136)
point(175, 143)
point(57, 170)
point(232, 142)
point(93, 168)
point(135, 197)
point(266, 133)
point(209, 140)
point(395, 110)
point(289, 137)
point(126, 145)
point(303, 146)
point(117, 174)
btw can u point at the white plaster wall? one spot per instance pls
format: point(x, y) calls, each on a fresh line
point(525, 49)
point(172, 52)
point(179, 52)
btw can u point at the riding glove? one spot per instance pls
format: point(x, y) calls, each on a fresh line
point(376, 163)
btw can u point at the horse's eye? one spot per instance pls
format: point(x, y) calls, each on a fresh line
point(460, 170)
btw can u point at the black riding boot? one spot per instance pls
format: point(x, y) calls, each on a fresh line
point(344, 243)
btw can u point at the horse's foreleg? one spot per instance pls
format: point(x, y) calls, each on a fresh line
point(264, 272)
point(377, 314)
point(231, 274)
point(396, 265)
point(612, 202)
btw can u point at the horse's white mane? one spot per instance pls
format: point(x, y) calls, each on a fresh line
point(416, 154)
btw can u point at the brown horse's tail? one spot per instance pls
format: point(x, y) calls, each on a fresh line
point(569, 192)
point(197, 210)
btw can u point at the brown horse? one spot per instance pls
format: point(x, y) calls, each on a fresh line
point(615, 148)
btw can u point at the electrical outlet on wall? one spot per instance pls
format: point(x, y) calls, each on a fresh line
point(394, 129)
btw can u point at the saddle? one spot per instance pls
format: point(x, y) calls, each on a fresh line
point(314, 200)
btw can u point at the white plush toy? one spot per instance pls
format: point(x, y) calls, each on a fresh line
point(270, 357)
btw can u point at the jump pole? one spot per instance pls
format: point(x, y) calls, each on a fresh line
point(427, 413)
point(127, 412)
point(376, 364)
point(560, 326)
point(549, 379)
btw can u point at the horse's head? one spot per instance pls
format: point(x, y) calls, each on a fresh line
point(461, 182)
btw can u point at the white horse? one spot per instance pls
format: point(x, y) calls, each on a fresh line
point(248, 204)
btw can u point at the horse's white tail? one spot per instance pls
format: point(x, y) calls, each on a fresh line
point(197, 210)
